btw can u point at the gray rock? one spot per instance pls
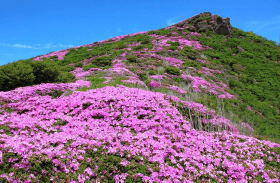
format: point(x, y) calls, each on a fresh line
point(222, 26)
point(240, 49)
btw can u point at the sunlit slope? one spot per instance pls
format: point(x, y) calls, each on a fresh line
point(184, 102)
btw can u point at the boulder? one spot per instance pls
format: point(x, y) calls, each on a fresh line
point(222, 26)
point(240, 49)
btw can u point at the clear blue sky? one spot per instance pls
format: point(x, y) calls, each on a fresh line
point(35, 27)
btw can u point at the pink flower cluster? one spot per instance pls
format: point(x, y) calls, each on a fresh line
point(247, 126)
point(203, 61)
point(173, 61)
point(60, 55)
point(154, 83)
point(135, 80)
point(250, 108)
point(161, 42)
point(199, 85)
point(175, 88)
point(202, 153)
point(23, 93)
point(80, 73)
point(209, 72)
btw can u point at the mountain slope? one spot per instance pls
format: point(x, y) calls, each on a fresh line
point(190, 102)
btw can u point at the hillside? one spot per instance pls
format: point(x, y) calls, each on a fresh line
point(197, 101)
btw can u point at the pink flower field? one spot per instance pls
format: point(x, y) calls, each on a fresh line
point(121, 130)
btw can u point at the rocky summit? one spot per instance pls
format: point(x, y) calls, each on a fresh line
point(197, 101)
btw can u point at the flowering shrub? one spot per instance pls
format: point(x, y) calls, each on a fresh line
point(172, 70)
point(102, 61)
point(59, 149)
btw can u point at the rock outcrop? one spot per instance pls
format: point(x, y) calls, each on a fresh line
point(222, 26)
point(219, 26)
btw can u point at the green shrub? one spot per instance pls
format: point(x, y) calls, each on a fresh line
point(177, 79)
point(233, 83)
point(89, 66)
point(14, 75)
point(191, 55)
point(68, 68)
point(139, 47)
point(54, 58)
point(152, 72)
point(102, 61)
point(173, 43)
point(54, 93)
point(44, 72)
point(238, 68)
point(147, 81)
point(247, 54)
point(119, 46)
point(186, 50)
point(145, 40)
point(131, 58)
point(29, 72)
point(65, 77)
point(142, 76)
point(172, 70)
point(96, 82)
point(173, 48)
point(79, 64)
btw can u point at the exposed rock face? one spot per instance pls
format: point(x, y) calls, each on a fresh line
point(240, 49)
point(222, 26)
point(219, 26)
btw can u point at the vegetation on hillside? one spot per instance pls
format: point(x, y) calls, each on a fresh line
point(219, 88)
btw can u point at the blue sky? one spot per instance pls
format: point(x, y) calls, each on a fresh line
point(36, 27)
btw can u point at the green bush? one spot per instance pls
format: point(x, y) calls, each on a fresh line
point(172, 70)
point(186, 50)
point(177, 79)
point(29, 72)
point(102, 61)
point(65, 77)
point(119, 46)
point(147, 81)
point(54, 93)
point(247, 54)
point(173, 48)
point(44, 72)
point(89, 66)
point(54, 58)
point(79, 64)
point(14, 75)
point(145, 40)
point(173, 43)
point(152, 72)
point(131, 58)
point(96, 82)
point(142, 76)
point(237, 68)
point(68, 68)
point(139, 47)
